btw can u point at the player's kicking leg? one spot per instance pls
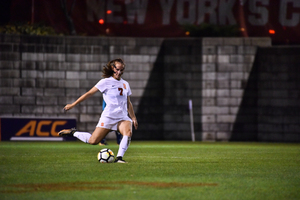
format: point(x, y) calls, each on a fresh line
point(95, 138)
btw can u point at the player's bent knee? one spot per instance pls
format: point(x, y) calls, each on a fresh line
point(93, 141)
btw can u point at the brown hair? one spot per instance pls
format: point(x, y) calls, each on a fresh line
point(107, 70)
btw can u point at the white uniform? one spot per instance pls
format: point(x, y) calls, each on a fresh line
point(115, 93)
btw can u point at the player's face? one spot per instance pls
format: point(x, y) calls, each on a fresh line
point(118, 70)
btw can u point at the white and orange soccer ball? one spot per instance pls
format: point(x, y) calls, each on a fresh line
point(106, 156)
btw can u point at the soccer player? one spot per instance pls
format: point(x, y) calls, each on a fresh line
point(116, 92)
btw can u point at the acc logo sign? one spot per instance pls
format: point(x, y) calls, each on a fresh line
point(11, 127)
point(32, 128)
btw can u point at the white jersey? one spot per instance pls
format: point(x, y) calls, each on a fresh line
point(115, 93)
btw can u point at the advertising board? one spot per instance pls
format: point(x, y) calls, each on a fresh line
point(34, 129)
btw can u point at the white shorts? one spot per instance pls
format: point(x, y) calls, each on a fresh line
point(112, 124)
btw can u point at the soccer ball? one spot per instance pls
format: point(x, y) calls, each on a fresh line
point(106, 156)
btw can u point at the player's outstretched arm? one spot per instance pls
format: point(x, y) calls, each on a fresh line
point(131, 113)
point(83, 97)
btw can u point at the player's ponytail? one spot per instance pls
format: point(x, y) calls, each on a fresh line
point(107, 70)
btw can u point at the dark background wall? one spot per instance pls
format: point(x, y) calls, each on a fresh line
point(270, 106)
point(278, 103)
point(241, 88)
point(175, 79)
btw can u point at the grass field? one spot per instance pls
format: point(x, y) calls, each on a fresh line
point(155, 170)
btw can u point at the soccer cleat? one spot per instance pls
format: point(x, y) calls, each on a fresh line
point(67, 132)
point(120, 160)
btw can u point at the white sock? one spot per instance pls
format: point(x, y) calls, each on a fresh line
point(83, 136)
point(123, 145)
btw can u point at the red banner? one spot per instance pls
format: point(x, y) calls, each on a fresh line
point(278, 19)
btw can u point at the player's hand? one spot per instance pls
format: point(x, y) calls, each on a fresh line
point(135, 123)
point(68, 107)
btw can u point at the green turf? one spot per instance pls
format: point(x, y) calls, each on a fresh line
point(155, 170)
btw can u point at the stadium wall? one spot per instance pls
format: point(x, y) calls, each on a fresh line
point(40, 74)
point(270, 103)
